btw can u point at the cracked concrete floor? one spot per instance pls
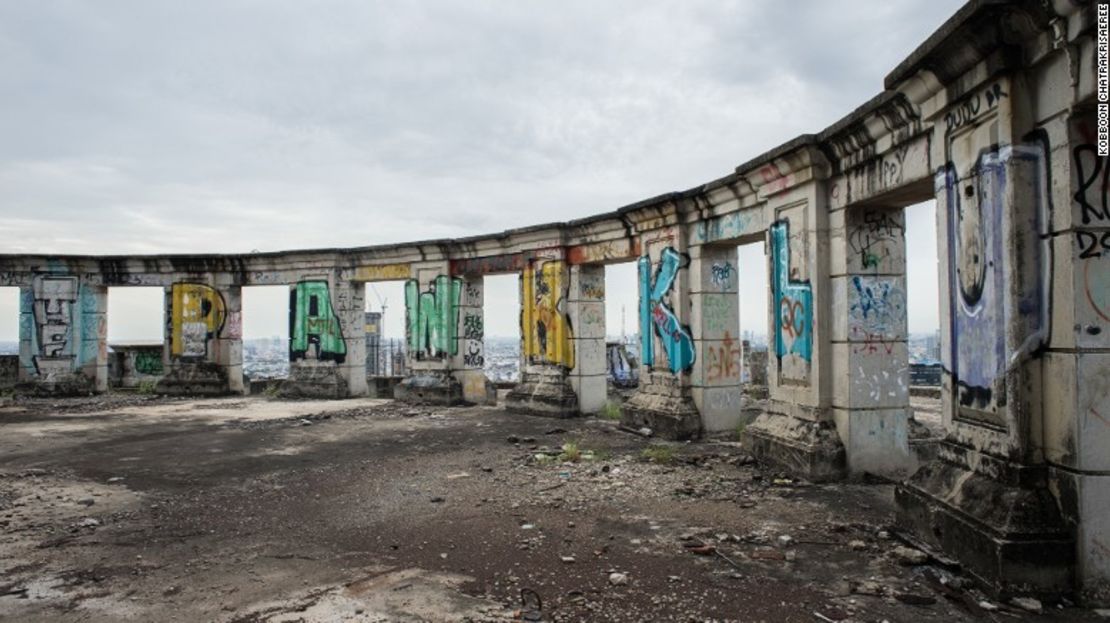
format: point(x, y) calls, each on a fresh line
point(132, 508)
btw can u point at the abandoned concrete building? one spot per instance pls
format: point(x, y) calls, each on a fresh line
point(993, 117)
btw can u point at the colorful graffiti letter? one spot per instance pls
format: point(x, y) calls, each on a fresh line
point(981, 276)
point(433, 317)
point(655, 313)
point(545, 330)
point(313, 322)
point(793, 334)
point(197, 315)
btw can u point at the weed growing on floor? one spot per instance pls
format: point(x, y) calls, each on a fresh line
point(660, 455)
point(611, 411)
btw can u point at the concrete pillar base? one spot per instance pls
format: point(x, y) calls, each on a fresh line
point(73, 384)
point(1005, 527)
point(543, 390)
point(194, 379)
point(662, 404)
point(810, 449)
point(434, 387)
point(476, 388)
point(314, 379)
point(382, 386)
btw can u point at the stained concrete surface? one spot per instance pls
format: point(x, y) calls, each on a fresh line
point(247, 509)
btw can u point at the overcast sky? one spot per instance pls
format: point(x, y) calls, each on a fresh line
point(230, 126)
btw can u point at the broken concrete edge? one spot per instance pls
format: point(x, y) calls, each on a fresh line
point(430, 387)
point(1008, 532)
point(69, 386)
point(811, 450)
point(194, 379)
point(543, 392)
point(666, 409)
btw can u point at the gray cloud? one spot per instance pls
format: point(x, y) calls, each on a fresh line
point(237, 125)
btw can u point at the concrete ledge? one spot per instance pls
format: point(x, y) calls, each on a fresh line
point(812, 450)
point(194, 379)
point(663, 405)
point(543, 391)
point(382, 386)
point(434, 387)
point(1010, 535)
point(70, 385)
point(314, 379)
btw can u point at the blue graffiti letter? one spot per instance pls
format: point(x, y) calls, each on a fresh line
point(794, 299)
point(658, 318)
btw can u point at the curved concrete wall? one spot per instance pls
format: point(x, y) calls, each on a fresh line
point(993, 116)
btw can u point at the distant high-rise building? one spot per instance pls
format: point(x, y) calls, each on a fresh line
point(373, 329)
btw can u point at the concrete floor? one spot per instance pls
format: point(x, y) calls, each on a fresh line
point(247, 509)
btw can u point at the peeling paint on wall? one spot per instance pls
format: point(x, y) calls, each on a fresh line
point(728, 226)
point(622, 248)
point(382, 272)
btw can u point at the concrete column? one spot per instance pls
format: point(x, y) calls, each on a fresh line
point(203, 351)
point(1076, 363)
point(797, 430)
point(547, 341)
point(870, 358)
point(716, 377)
point(432, 302)
point(228, 342)
point(469, 358)
point(327, 348)
point(350, 309)
point(28, 344)
point(62, 334)
point(1012, 310)
point(92, 358)
point(663, 401)
point(586, 311)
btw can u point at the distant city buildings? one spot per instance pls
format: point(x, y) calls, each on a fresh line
point(268, 358)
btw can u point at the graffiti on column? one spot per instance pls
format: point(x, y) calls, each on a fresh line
point(148, 361)
point(876, 237)
point(980, 279)
point(591, 286)
point(52, 312)
point(473, 332)
point(197, 314)
point(794, 321)
point(54, 298)
point(657, 317)
point(876, 313)
point(314, 328)
point(1091, 237)
point(433, 317)
point(545, 329)
point(721, 274)
point(723, 360)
